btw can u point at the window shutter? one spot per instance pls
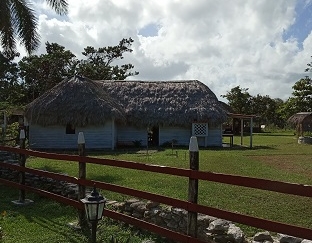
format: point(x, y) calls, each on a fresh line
point(200, 129)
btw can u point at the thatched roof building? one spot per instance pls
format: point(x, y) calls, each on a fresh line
point(302, 121)
point(301, 117)
point(78, 101)
point(173, 103)
point(117, 113)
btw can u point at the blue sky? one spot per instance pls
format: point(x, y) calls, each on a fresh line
point(149, 30)
point(260, 45)
point(301, 27)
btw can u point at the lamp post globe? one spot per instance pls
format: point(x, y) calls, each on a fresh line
point(94, 206)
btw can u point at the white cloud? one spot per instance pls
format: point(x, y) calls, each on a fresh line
point(222, 43)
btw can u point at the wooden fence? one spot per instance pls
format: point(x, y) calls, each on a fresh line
point(270, 185)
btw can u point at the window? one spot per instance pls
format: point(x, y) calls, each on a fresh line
point(200, 129)
point(70, 129)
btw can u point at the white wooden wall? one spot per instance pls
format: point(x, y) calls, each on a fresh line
point(106, 137)
point(55, 137)
point(127, 134)
point(180, 134)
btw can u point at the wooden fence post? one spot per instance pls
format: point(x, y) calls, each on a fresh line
point(82, 175)
point(22, 162)
point(193, 187)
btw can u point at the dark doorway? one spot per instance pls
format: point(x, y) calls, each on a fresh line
point(153, 136)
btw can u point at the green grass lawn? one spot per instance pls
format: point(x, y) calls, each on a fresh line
point(275, 156)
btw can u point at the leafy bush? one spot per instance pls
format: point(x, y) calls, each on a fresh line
point(11, 135)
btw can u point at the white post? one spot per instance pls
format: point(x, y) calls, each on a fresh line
point(22, 164)
point(193, 187)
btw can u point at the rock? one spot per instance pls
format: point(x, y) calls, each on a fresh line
point(176, 218)
point(236, 233)
point(222, 238)
point(155, 211)
point(205, 219)
point(119, 206)
point(182, 224)
point(172, 225)
point(139, 206)
point(132, 200)
point(151, 204)
point(306, 241)
point(178, 211)
point(165, 215)
point(137, 215)
point(263, 236)
point(288, 239)
point(218, 226)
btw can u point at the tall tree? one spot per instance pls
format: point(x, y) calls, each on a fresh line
point(239, 99)
point(266, 110)
point(11, 90)
point(19, 23)
point(302, 95)
point(301, 99)
point(98, 62)
point(41, 73)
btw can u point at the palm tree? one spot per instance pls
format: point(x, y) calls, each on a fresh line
point(19, 23)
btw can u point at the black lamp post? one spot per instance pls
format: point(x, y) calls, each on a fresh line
point(94, 206)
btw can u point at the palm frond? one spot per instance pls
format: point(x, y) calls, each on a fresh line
point(24, 22)
point(60, 6)
point(7, 39)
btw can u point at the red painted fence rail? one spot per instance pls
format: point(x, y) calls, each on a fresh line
point(276, 186)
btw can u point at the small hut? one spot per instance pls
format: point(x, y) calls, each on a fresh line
point(73, 105)
point(302, 122)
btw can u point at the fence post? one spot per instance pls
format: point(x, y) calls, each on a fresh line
point(82, 175)
point(193, 187)
point(22, 164)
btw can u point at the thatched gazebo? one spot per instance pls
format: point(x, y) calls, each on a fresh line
point(77, 101)
point(302, 122)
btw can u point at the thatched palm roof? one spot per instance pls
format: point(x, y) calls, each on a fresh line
point(301, 117)
point(226, 107)
point(166, 102)
point(78, 101)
